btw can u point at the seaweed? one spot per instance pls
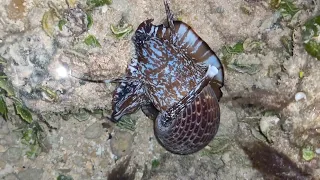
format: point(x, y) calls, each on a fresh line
point(155, 163)
point(98, 3)
point(121, 31)
point(92, 41)
point(32, 137)
point(271, 163)
point(127, 123)
point(287, 8)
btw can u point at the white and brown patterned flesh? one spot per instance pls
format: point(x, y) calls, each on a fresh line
point(175, 78)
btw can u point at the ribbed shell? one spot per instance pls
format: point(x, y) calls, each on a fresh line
point(194, 127)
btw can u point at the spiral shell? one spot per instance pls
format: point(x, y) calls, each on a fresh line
point(195, 126)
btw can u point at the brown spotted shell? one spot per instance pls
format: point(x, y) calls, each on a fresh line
point(194, 127)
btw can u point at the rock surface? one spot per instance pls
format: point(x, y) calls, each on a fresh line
point(72, 130)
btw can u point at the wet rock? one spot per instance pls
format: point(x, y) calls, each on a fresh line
point(105, 163)
point(53, 120)
point(12, 155)
point(266, 124)
point(269, 22)
point(10, 177)
point(10, 139)
point(64, 177)
point(3, 127)
point(94, 131)
point(31, 174)
point(77, 20)
point(2, 149)
point(121, 143)
point(47, 145)
point(121, 170)
point(89, 168)
point(2, 163)
point(79, 161)
point(16, 9)
point(82, 115)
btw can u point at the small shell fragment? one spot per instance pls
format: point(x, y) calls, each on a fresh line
point(300, 95)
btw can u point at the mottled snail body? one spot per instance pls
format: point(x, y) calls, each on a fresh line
point(175, 78)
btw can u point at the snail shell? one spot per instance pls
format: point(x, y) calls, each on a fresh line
point(194, 127)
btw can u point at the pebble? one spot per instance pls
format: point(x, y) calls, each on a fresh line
point(300, 95)
point(226, 157)
point(13, 154)
point(2, 149)
point(2, 164)
point(10, 139)
point(121, 143)
point(94, 131)
point(266, 123)
point(31, 174)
